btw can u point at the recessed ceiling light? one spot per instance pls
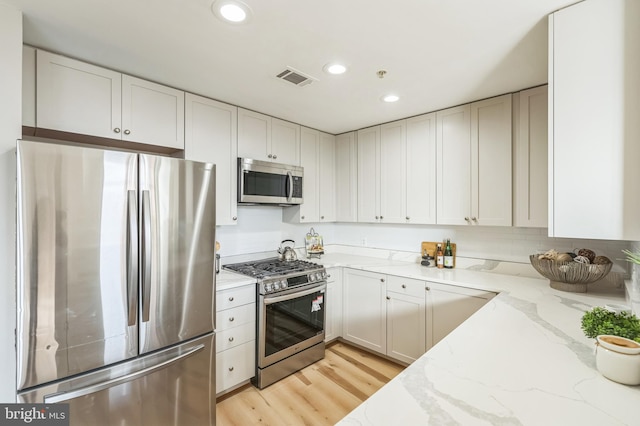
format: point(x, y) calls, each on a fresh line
point(335, 68)
point(231, 11)
point(390, 98)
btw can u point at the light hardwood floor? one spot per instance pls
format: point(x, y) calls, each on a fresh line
point(320, 394)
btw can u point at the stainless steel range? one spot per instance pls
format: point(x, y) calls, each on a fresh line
point(290, 315)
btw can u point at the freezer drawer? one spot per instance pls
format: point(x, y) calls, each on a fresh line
point(175, 386)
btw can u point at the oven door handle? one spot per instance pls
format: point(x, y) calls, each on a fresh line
point(275, 299)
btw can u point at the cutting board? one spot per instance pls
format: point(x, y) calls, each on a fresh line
point(431, 246)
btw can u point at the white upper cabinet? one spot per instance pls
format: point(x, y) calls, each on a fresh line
point(346, 164)
point(152, 113)
point(454, 165)
point(369, 174)
point(261, 137)
point(76, 97)
point(491, 176)
point(309, 146)
point(594, 130)
point(421, 169)
point(327, 177)
point(474, 163)
point(530, 158)
point(28, 86)
point(210, 135)
point(393, 169)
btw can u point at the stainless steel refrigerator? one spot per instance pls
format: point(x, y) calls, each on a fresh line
point(116, 285)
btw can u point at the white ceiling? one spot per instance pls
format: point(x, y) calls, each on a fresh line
point(438, 53)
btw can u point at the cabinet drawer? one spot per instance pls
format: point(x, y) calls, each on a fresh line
point(408, 286)
point(232, 297)
point(235, 336)
point(235, 316)
point(235, 365)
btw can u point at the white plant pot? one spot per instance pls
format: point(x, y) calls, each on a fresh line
point(618, 359)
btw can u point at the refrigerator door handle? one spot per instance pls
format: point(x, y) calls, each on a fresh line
point(87, 390)
point(146, 256)
point(132, 256)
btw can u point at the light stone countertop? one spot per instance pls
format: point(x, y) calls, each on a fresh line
point(520, 360)
point(227, 279)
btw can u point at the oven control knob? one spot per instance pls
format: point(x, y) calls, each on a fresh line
point(276, 285)
point(313, 277)
point(268, 288)
point(324, 275)
point(283, 284)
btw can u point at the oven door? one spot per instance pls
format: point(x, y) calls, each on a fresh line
point(290, 322)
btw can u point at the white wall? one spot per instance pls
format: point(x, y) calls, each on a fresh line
point(261, 229)
point(10, 130)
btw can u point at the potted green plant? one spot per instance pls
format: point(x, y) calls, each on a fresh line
point(599, 321)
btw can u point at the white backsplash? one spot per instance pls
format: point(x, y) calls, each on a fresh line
point(260, 229)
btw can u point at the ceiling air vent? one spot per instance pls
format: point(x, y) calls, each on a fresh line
point(296, 77)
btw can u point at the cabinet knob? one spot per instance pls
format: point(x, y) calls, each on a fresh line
point(408, 218)
point(270, 156)
point(474, 219)
point(275, 156)
point(404, 286)
point(381, 280)
point(231, 339)
point(116, 130)
point(428, 288)
point(235, 218)
point(388, 298)
point(377, 218)
point(231, 299)
point(231, 319)
point(467, 219)
point(127, 132)
point(381, 217)
point(301, 217)
point(230, 368)
point(321, 217)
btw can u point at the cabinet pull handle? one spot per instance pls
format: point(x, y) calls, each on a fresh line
point(231, 339)
point(275, 156)
point(428, 288)
point(388, 298)
point(321, 217)
point(231, 299)
point(377, 218)
point(381, 217)
point(127, 132)
point(408, 218)
point(235, 218)
point(270, 156)
point(467, 219)
point(230, 368)
point(474, 219)
point(231, 319)
point(404, 286)
point(301, 217)
point(116, 130)
point(381, 280)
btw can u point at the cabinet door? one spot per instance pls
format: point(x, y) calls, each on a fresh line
point(285, 142)
point(421, 169)
point(235, 365)
point(530, 175)
point(369, 174)
point(594, 85)
point(254, 135)
point(449, 306)
point(28, 86)
point(76, 97)
point(364, 309)
point(333, 323)
point(454, 166)
point(210, 135)
point(326, 178)
point(491, 162)
point(406, 326)
point(309, 145)
point(346, 177)
point(393, 178)
point(152, 113)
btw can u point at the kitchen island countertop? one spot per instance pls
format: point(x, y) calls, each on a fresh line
point(521, 359)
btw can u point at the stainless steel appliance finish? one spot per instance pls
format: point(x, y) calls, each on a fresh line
point(262, 182)
point(290, 316)
point(115, 261)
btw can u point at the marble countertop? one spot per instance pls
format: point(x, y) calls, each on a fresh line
point(227, 279)
point(520, 360)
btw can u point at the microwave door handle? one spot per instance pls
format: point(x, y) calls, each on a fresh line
point(132, 257)
point(290, 185)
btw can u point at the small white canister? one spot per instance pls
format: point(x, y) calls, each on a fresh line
point(618, 359)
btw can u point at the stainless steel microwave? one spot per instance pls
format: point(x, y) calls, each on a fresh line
point(263, 182)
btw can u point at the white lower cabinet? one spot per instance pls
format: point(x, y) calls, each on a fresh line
point(403, 317)
point(449, 306)
point(333, 314)
point(364, 308)
point(235, 336)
